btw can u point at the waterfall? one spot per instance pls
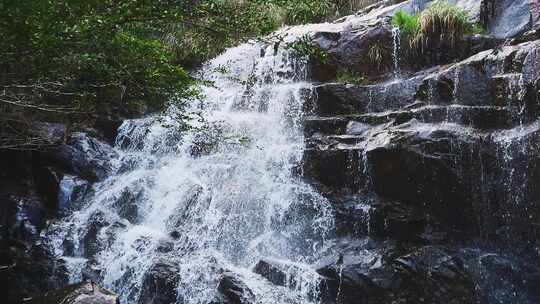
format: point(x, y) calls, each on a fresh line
point(218, 197)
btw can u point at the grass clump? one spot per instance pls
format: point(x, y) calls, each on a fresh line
point(407, 24)
point(441, 23)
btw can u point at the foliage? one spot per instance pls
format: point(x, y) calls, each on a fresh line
point(75, 59)
point(301, 12)
point(305, 47)
point(351, 77)
point(89, 48)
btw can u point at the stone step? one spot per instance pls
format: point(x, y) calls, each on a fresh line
point(482, 118)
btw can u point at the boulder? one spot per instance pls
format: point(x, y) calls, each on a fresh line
point(279, 273)
point(271, 272)
point(234, 290)
point(91, 244)
point(160, 283)
point(84, 156)
point(82, 293)
point(127, 203)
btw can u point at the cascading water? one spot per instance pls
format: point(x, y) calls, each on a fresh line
point(396, 38)
point(218, 197)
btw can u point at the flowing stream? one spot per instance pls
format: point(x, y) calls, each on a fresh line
point(218, 197)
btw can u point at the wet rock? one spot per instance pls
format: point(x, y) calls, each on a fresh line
point(85, 156)
point(334, 171)
point(127, 204)
point(234, 290)
point(437, 275)
point(502, 278)
point(160, 283)
point(377, 217)
point(509, 18)
point(82, 293)
point(20, 267)
point(339, 99)
point(271, 272)
point(428, 274)
point(47, 182)
point(325, 125)
point(91, 245)
point(346, 278)
point(71, 189)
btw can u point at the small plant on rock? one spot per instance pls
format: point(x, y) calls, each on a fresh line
point(379, 55)
point(351, 77)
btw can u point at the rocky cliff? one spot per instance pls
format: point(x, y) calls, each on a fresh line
point(438, 161)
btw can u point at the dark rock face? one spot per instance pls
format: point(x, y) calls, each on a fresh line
point(233, 290)
point(21, 266)
point(36, 186)
point(83, 293)
point(435, 151)
point(271, 272)
point(429, 274)
point(27, 200)
point(85, 156)
point(440, 163)
point(160, 284)
point(509, 18)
